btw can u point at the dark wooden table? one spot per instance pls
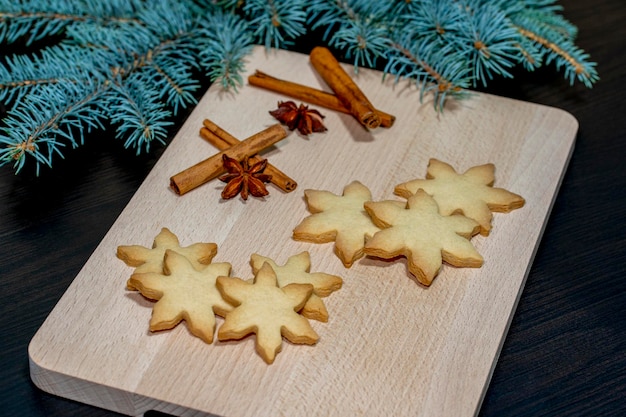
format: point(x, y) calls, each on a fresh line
point(565, 353)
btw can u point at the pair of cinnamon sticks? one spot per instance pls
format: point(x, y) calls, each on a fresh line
point(211, 168)
point(348, 97)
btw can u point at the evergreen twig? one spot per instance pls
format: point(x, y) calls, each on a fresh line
point(133, 64)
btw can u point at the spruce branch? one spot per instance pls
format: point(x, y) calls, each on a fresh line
point(135, 67)
point(567, 56)
point(489, 42)
point(366, 43)
point(442, 80)
point(224, 42)
point(488, 37)
point(22, 74)
point(34, 20)
point(131, 65)
point(140, 115)
point(275, 22)
point(40, 126)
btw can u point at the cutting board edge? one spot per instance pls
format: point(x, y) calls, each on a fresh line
point(575, 127)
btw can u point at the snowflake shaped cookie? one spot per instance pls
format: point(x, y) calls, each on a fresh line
point(297, 271)
point(421, 234)
point(268, 311)
point(184, 293)
point(151, 259)
point(471, 193)
point(341, 219)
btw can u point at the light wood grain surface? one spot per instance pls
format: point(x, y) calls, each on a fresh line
point(391, 346)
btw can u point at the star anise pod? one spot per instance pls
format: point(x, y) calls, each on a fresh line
point(244, 179)
point(301, 117)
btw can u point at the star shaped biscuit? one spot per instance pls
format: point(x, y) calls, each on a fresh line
point(297, 270)
point(268, 311)
point(421, 234)
point(184, 293)
point(341, 219)
point(471, 193)
point(151, 259)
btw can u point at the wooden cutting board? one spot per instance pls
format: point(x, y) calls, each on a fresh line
point(391, 346)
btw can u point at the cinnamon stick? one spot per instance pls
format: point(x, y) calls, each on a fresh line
point(309, 94)
point(212, 167)
point(223, 140)
point(344, 87)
